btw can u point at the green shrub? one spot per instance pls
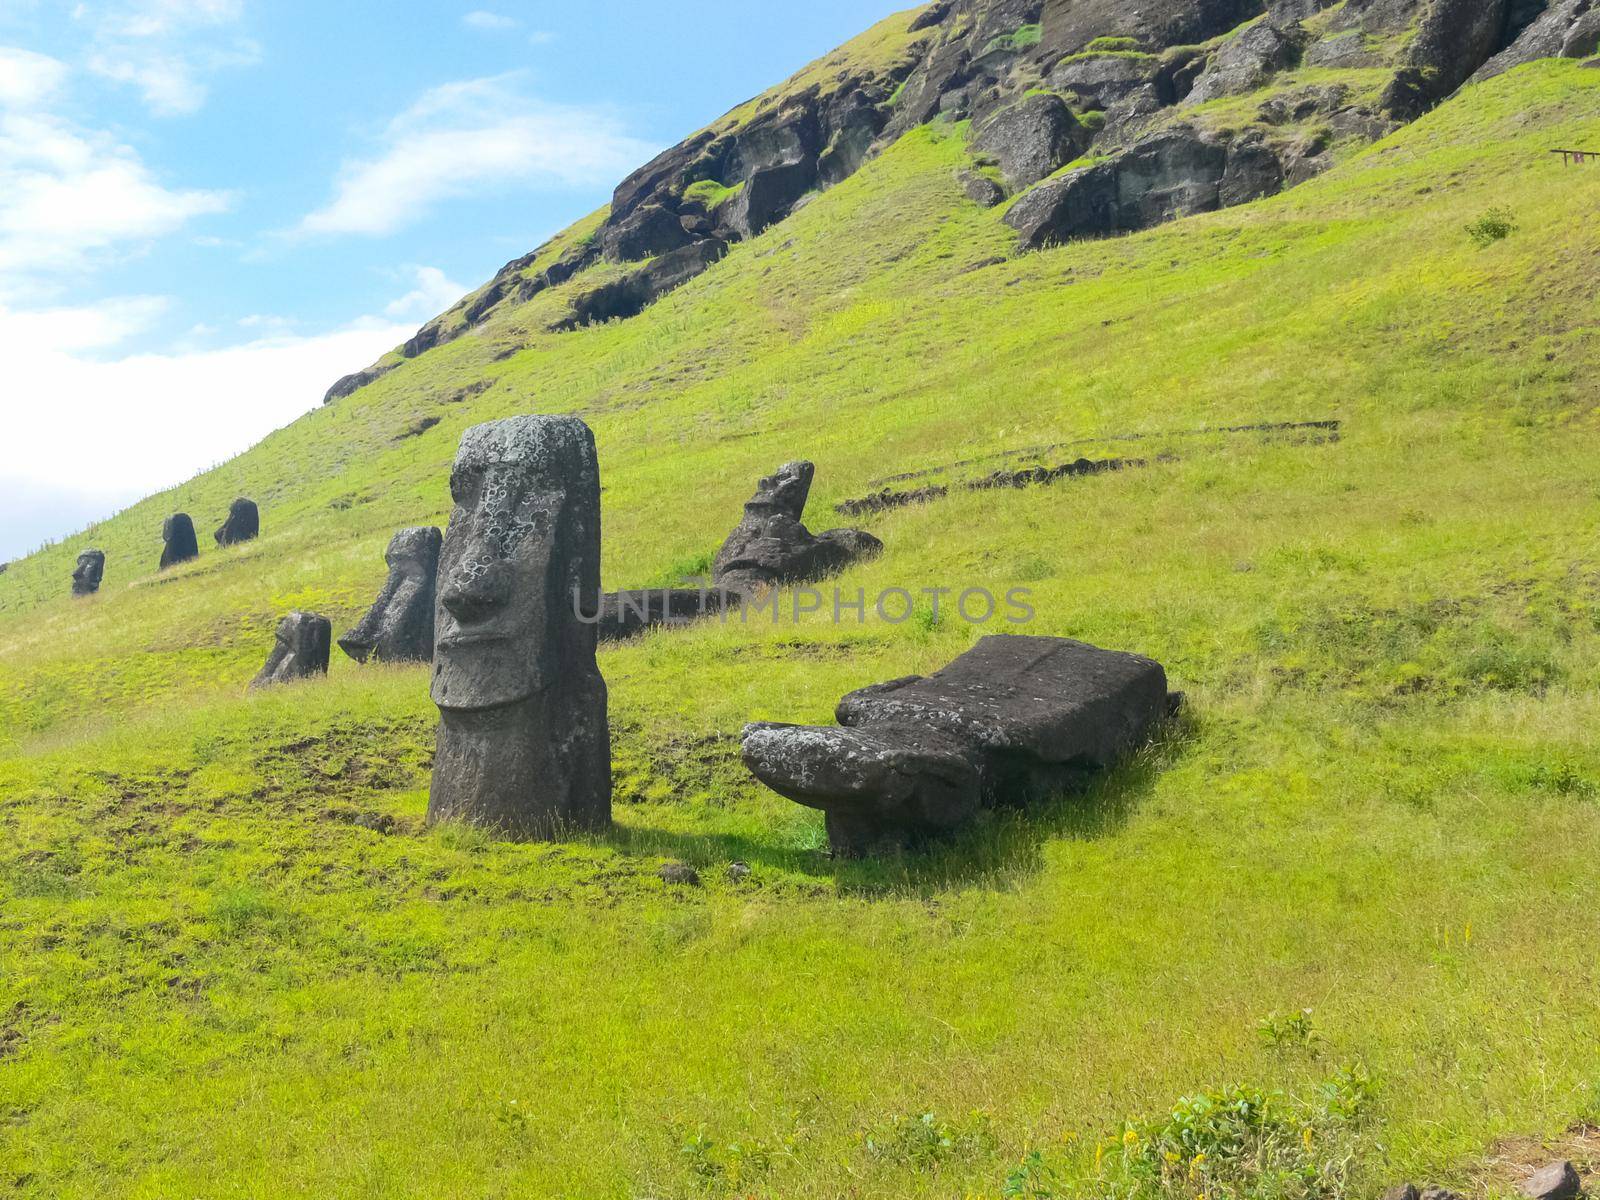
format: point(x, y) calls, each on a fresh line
point(1112, 44)
point(1094, 120)
point(1495, 225)
point(711, 193)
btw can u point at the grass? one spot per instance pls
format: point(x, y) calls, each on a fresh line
point(1381, 807)
point(711, 193)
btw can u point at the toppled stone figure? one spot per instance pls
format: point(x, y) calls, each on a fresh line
point(628, 614)
point(399, 626)
point(177, 531)
point(243, 523)
point(91, 569)
point(524, 747)
point(1013, 718)
point(770, 546)
point(300, 652)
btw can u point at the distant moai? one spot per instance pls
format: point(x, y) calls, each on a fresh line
point(243, 523)
point(91, 569)
point(177, 531)
point(399, 626)
point(524, 748)
point(300, 651)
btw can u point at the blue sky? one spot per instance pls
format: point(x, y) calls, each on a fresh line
point(210, 209)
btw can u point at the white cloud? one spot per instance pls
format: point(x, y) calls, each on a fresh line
point(433, 294)
point(489, 22)
point(28, 79)
point(163, 48)
point(481, 135)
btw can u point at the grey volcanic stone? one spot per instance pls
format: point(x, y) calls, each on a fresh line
point(1011, 718)
point(399, 626)
point(770, 546)
point(300, 651)
point(1100, 80)
point(767, 197)
point(91, 569)
point(1567, 29)
point(1245, 61)
point(679, 873)
point(1032, 138)
point(628, 614)
point(177, 531)
point(1558, 1181)
point(1456, 38)
point(980, 189)
point(524, 747)
point(1345, 50)
point(646, 232)
point(243, 523)
point(631, 294)
point(1403, 1191)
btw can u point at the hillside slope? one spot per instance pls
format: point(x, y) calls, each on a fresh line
point(213, 981)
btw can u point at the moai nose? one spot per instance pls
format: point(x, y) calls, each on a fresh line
point(478, 590)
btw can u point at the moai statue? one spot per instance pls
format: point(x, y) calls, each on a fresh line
point(524, 748)
point(770, 546)
point(91, 569)
point(399, 627)
point(177, 531)
point(300, 652)
point(243, 523)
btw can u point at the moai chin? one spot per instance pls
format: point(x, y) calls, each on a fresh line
point(177, 531)
point(399, 626)
point(86, 576)
point(524, 747)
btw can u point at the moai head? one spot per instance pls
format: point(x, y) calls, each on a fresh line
point(300, 651)
point(523, 547)
point(86, 576)
point(177, 531)
point(243, 523)
point(399, 627)
point(785, 491)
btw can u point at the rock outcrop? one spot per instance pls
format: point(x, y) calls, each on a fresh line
point(1565, 29)
point(300, 651)
point(524, 747)
point(399, 625)
point(629, 295)
point(1031, 138)
point(1011, 719)
point(770, 546)
point(86, 576)
point(1455, 38)
point(179, 543)
point(243, 523)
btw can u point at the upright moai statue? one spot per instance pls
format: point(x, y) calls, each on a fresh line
point(524, 747)
point(177, 531)
point(300, 652)
point(243, 523)
point(91, 569)
point(399, 627)
point(770, 546)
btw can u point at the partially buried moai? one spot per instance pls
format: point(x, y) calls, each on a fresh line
point(524, 748)
point(399, 627)
point(177, 531)
point(300, 651)
point(86, 576)
point(243, 523)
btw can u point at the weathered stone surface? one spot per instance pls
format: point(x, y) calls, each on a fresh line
point(1402, 1191)
point(524, 746)
point(1032, 138)
point(1455, 38)
point(1097, 81)
point(1252, 171)
point(1557, 1181)
point(631, 294)
point(300, 651)
point(649, 230)
point(1439, 1193)
point(1342, 51)
point(1566, 28)
point(679, 874)
point(91, 569)
point(767, 197)
point(1011, 718)
point(243, 523)
point(399, 626)
point(738, 872)
point(771, 546)
point(1246, 61)
point(627, 614)
point(177, 532)
point(981, 190)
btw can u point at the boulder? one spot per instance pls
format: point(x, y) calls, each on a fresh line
point(1566, 29)
point(524, 746)
point(177, 532)
point(980, 189)
point(91, 569)
point(770, 546)
point(399, 625)
point(1011, 719)
point(1032, 138)
point(1455, 39)
point(767, 197)
point(679, 874)
point(631, 294)
point(1246, 61)
point(1252, 172)
point(299, 652)
point(1345, 50)
point(243, 523)
point(649, 230)
point(1098, 81)
point(1557, 1181)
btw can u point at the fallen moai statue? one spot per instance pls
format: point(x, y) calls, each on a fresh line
point(770, 546)
point(177, 532)
point(524, 747)
point(399, 626)
point(243, 523)
point(627, 614)
point(300, 652)
point(1012, 718)
point(86, 576)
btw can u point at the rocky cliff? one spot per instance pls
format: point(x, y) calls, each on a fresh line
point(1085, 118)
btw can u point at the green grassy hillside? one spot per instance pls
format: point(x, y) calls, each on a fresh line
point(1383, 804)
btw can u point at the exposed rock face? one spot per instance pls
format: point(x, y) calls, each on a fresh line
point(399, 627)
point(770, 546)
point(177, 531)
point(1011, 718)
point(524, 746)
point(1032, 138)
point(1245, 61)
point(243, 523)
point(628, 614)
point(633, 292)
point(91, 569)
point(1456, 37)
point(1566, 29)
point(300, 651)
